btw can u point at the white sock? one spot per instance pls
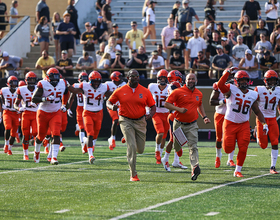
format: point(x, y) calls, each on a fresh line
point(238, 168)
point(10, 147)
point(7, 142)
point(55, 149)
point(50, 151)
point(158, 147)
point(37, 147)
point(114, 137)
point(219, 152)
point(161, 150)
point(81, 136)
point(176, 157)
point(274, 156)
point(25, 152)
point(90, 152)
point(230, 156)
point(166, 156)
point(60, 139)
point(93, 142)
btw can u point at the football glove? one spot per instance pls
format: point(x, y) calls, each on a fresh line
point(21, 109)
point(33, 105)
point(48, 98)
point(63, 108)
point(70, 113)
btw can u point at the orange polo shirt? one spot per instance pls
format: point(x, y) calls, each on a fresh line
point(185, 98)
point(132, 104)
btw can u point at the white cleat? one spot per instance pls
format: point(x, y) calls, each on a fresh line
point(179, 165)
point(54, 161)
point(91, 160)
point(165, 165)
point(36, 157)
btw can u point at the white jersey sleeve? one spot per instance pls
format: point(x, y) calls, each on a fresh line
point(159, 96)
point(9, 98)
point(221, 109)
point(80, 98)
point(26, 95)
point(268, 101)
point(239, 104)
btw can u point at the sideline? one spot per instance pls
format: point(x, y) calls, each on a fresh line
point(184, 197)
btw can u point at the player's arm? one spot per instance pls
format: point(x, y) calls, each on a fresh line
point(75, 90)
point(71, 100)
point(111, 106)
point(37, 97)
point(225, 89)
point(202, 113)
point(17, 102)
point(152, 112)
point(258, 113)
point(214, 99)
point(172, 107)
point(108, 93)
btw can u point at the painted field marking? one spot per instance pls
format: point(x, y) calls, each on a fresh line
point(184, 197)
point(62, 211)
point(212, 213)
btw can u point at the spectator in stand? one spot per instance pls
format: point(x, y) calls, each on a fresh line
point(167, 34)
point(204, 64)
point(213, 43)
point(116, 34)
point(98, 6)
point(246, 30)
point(135, 37)
point(107, 15)
point(56, 20)
point(250, 64)
point(42, 30)
point(261, 46)
point(85, 63)
point(88, 39)
point(221, 29)
point(156, 63)
point(221, 2)
point(11, 64)
point(271, 10)
point(176, 61)
point(112, 48)
point(232, 40)
point(178, 44)
point(74, 18)
point(44, 63)
point(100, 52)
point(203, 27)
point(65, 65)
point(268, 62)
point(253, 11)
point(151, 21)
point(221, 61)
point(238, 51)
point(276, 52)
point(42, 9)
point(260, 30)
point(144, 22)
point(184, 15)
point(226, 46)
point(175, 9)
point(187, 34)
point(3, 11)
point(118, 62)
point(161, 53)
point(100, 28)
point(104, 65)
point(275, 35)
point(67, 31)
point(234, 28)
point(13, 13)
point(138, 61)
point(210, 10)
point(195, 45)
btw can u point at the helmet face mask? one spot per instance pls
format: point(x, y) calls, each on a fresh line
point(241, 79)
point(116, 76)
point(31, 79)
point(53, 76)
point(271, 79)
point(175, 76)
point(95, 83)
point(12, 83)
point(83, 77)
point(95, 79)
point(162, 80)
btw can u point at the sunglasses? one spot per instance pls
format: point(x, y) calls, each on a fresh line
point(133, 25)
point(87, 25)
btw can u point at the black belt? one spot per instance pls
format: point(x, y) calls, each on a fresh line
point(182, 123)
point(135, 119)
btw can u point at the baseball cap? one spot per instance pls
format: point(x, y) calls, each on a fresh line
point(185, 1)
point(266, 53)
point(115, 25)
point(177, 2)
point(133, 51)
point(224, 39)
point(118, 53)
point(64, 51)
point(239, 36)
point(151, 2)
point(220, 23)
point(155, 52)
point(248, 51)
point(219, 47)
point(5, 54)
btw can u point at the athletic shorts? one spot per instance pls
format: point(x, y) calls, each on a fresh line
point(66, 45)
point(92, 122)
point(11, 121)
point(160, 123)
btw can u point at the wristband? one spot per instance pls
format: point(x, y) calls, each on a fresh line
point(204, 117)
point(221, 102)
point(43, 99)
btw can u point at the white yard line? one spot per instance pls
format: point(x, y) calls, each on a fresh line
point(184, 197)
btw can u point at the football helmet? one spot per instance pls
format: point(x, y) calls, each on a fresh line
point(31, 78)
point(83, 77)
point(241, 74)
point(175, 85)
point(95, 79)
point(162, 77)
point(116, 76)
point(175, 75)
point(21, 83)
point(270, 79)
point(53, 76)
point(12, 82)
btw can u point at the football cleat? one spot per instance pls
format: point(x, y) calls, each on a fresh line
point(6, 149)
point(165, 165)
point(25, 157)
point(54, 161)
point(237, 174)
point(61, 147)
point(36, 157)
point(49, 159)
point(195, 173)
point(273, 170)
point(217, 162)
point(10, 152)
point(179, 165)
point(123, 140)
point(135, 178)
point(157, 156)
point(112, 143)
point(91, 159)
point(231, 163)
point(77, 131)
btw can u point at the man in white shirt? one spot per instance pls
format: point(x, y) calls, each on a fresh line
point(238, 51)
point(156, 63)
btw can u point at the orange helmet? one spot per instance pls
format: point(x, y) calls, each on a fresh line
point(269, 76)
point(83, 77)
point(241, 74)
point(12, 82)
point(21, 83)
point(116, 76)
point(162, 77)
point(95, 79)
point(175, 85)
point(175, 75)
point(31, 78)
point(53, 76)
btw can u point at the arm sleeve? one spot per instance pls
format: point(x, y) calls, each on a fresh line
point(222, 82)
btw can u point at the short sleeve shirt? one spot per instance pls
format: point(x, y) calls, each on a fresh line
point(221, 61)
point(180, 45)
point(252, 9)
point(89, 36)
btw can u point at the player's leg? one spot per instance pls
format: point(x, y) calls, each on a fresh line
point(7, 121)
point(25, 128)
point(55, 126)
point(64, 122)
point(273, 136)
point(89, 123)
point(115, 121)
point(158, 125)
point(262, 139)
point(15, 124)
point(82, 133)
point(218, 122)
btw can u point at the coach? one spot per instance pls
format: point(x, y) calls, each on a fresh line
point(187, 102)
point(133, 99)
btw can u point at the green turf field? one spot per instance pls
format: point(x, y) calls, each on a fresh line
point(74, 189)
